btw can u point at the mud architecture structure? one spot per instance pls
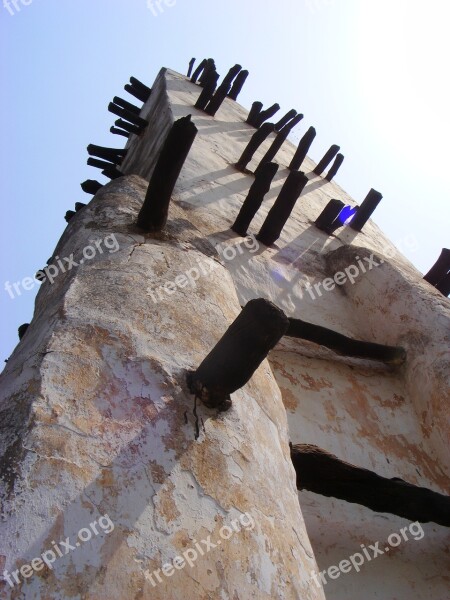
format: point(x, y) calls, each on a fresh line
point(190, 377)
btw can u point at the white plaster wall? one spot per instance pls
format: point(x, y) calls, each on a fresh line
point(101, 371)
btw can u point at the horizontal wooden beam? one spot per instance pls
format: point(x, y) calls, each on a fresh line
point(323, 473)
point(345, 346)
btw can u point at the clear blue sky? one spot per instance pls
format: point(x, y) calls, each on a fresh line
point(370, 75)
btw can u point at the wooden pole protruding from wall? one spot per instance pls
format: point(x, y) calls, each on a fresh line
point(127, 115)
point(444, 285)
point(118, 131)
point(254, 112)
point(365, 210)
point(222, 91)
point(327, 158)
point(198, 70)
point(282, 208)
point(129, 127)
point(440, 268)
point(237, 355)
point(99, 164)
point(345, 346)
point(207, 90)
point(326, 221)
point(191, 66)
point(285, 120)
point(210, 66)
point(302, 150)
point(335, 167)
point(22, 330)
point(69, 214)
point(113, 155)
point(266, 114)
point(255, 196)
point(238, 85)
point(137, 89)
point(141, 92)
point(255, 142)
point(279, 141)
point(91, 186)
point(127, 105)
point(112, 172)
point(154, 211)
point(323, 473)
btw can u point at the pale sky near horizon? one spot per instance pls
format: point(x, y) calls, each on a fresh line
point(369, 75)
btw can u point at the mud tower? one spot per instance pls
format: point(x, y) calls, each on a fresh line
point(234, 386)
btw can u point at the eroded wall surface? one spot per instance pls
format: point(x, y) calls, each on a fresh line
point(94, 398)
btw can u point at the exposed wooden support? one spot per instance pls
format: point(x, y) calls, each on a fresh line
point(323, 473)
point(345, 346)
point(285, 120)
point(255, 142)
point(222, 91)
point(191, 66)
point(440, 268)
point(208, 89)
point(266, 114)
point(282, 208)
point(91, 186)
point(154, 211)
point(141, 91)
point(327, 158)
point(365, 210)
point(256, 194)
point(136, 93)
point(22, 330)
point(237, 355)
point(199, 70)
point(444, 285)
point(254, 112)
point(112, 172)
point(210, 66)
point(238, 85)
point(302, 150)
point(279, 141)
point(79, 206)
point(113, 155)
point(118, 131)
point(326, 221)
point(69, 214)
point(127, 115)
point(129, 127)
point(137, 89)
point(99, 164)
point(127, 105)
point(335, 167)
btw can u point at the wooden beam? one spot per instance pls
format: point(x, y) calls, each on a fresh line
point(345, 346)
point(323, 473)
point(154, 211)
point(237, 355)
point(327, 158)
point(281, 210)
point(238, 85)
point(256, 194)
point(302, 150)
